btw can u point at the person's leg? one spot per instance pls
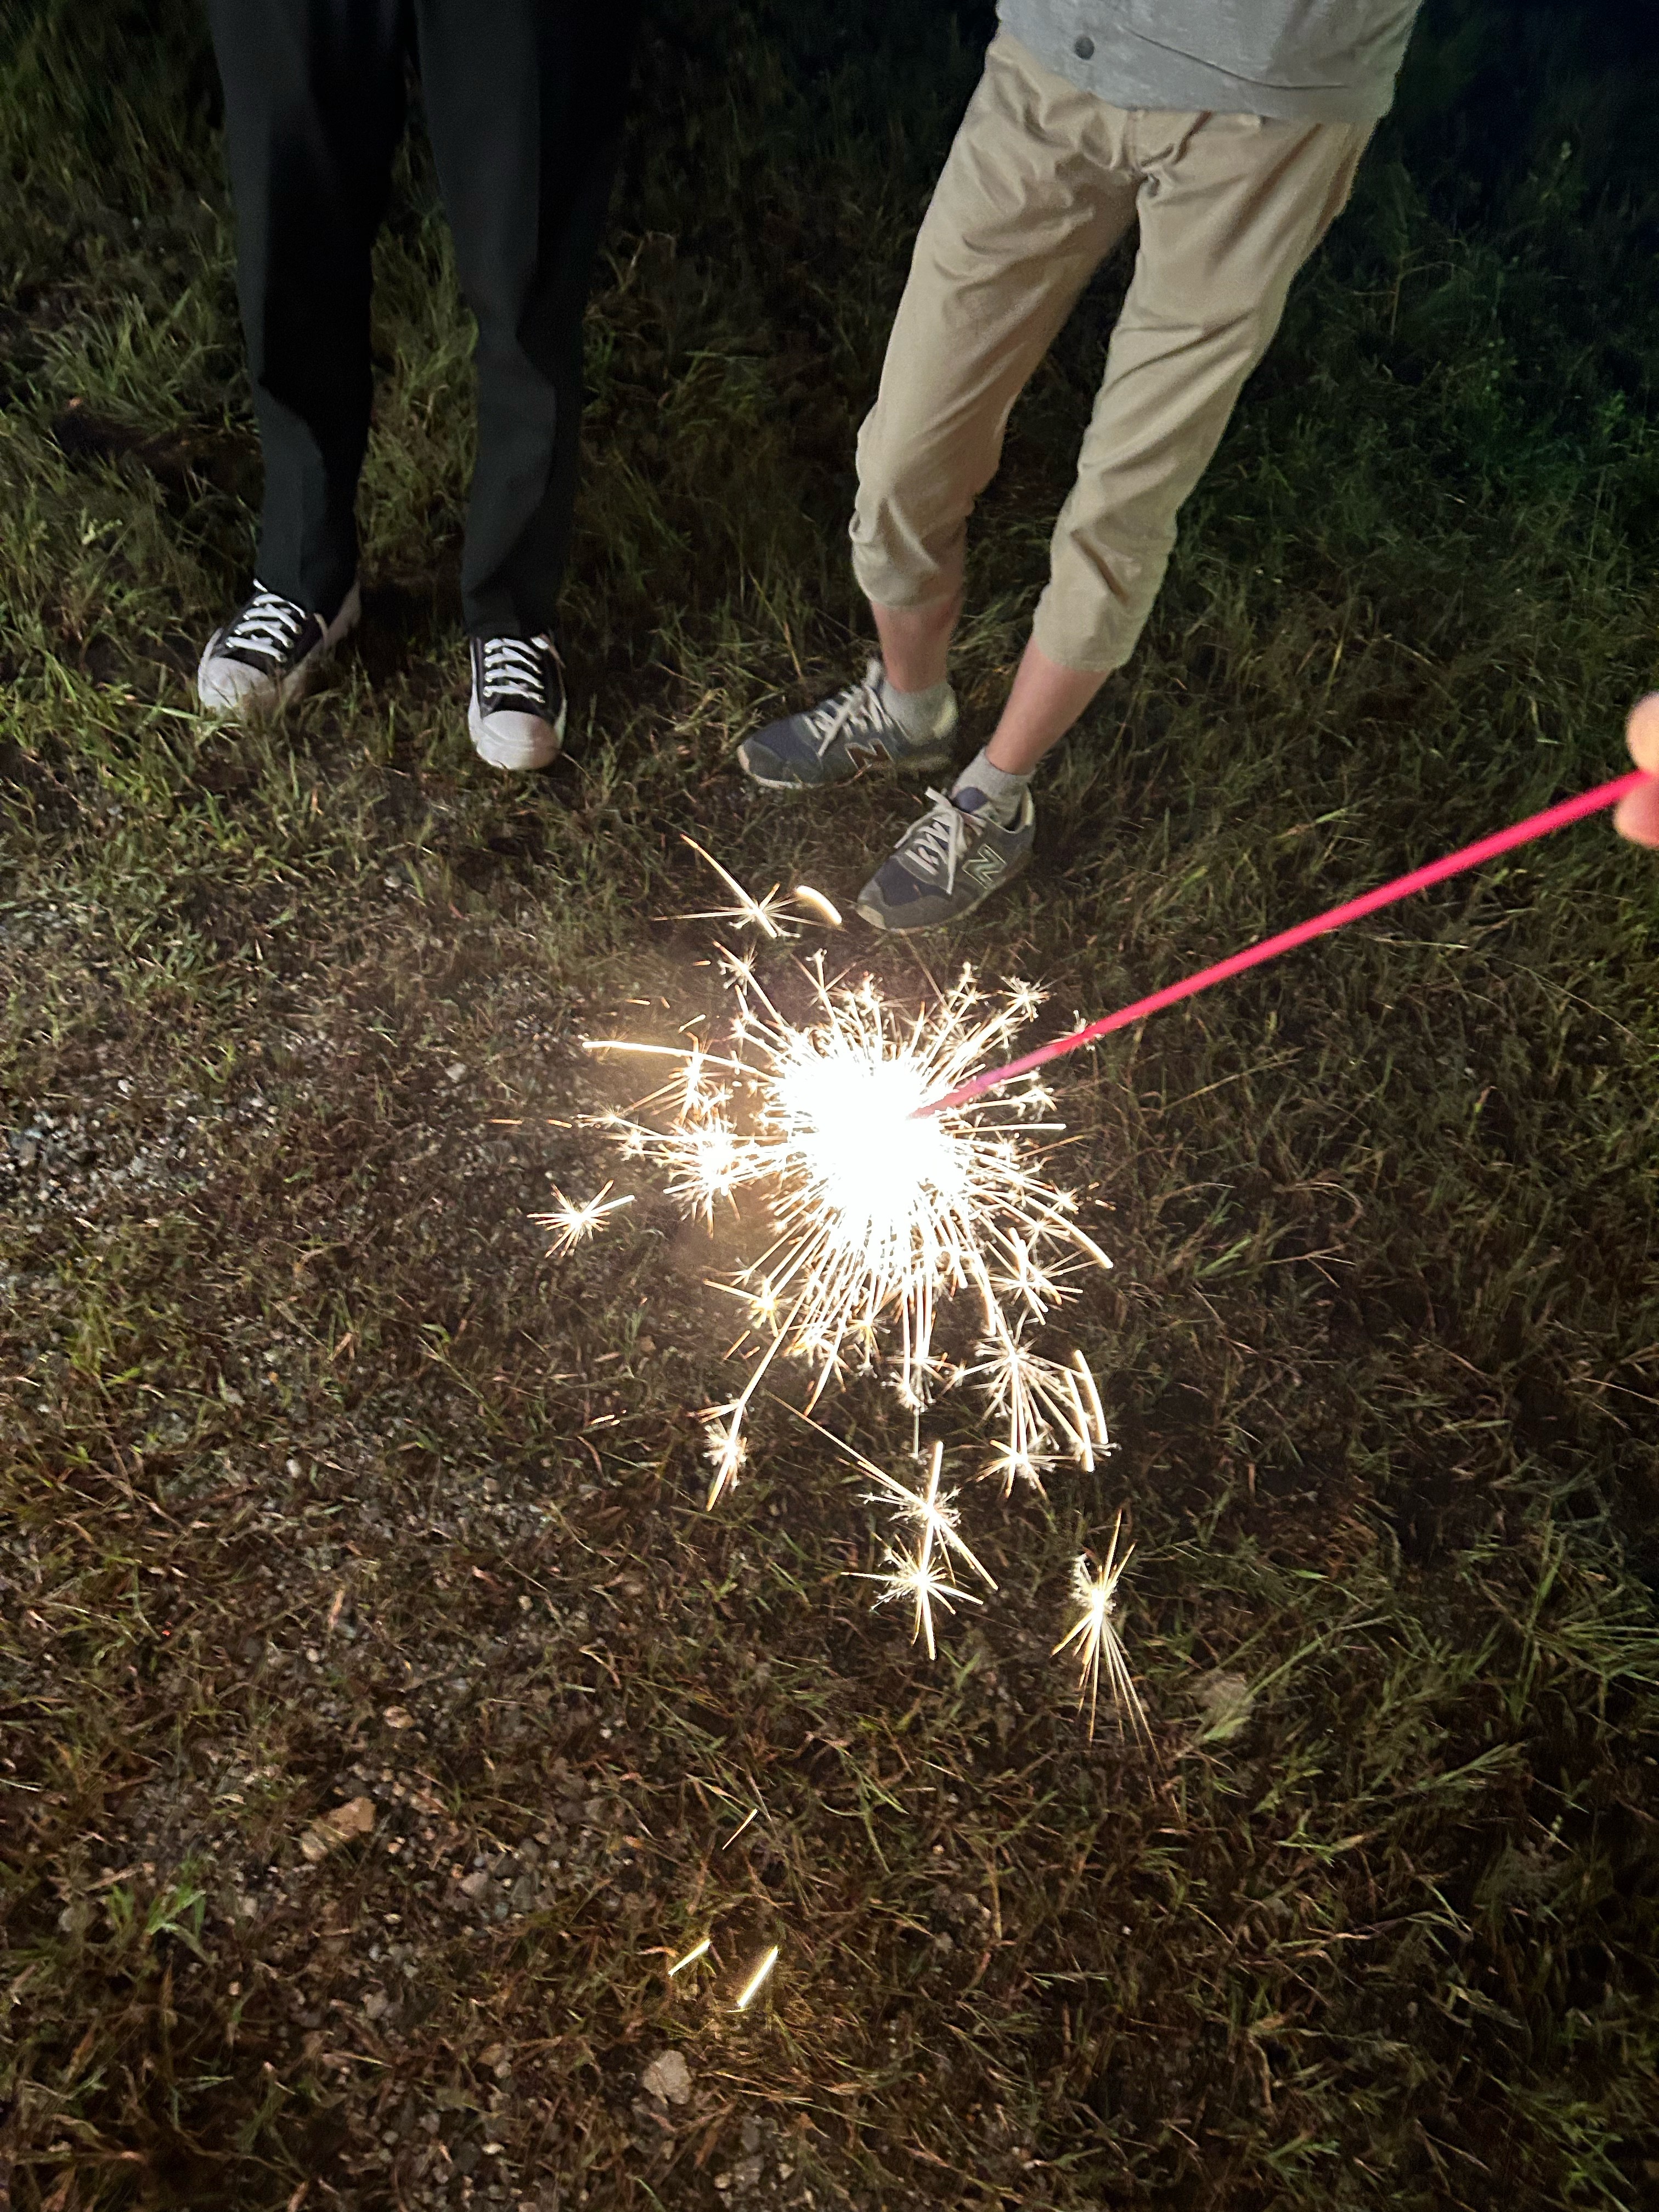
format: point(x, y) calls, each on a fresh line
point(1034, 193)
point(525, 99)
point(314, 108)
point(1033, 196)
point(915, 642)
point(1230, 209)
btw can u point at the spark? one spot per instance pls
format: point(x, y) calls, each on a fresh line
point(697, 1952)
point(768, 915)
point(878, 1219)
point(925, 1583)
point(751, 1987)
point(1096, 1636)
point(934, 1511)
point(574, 1223)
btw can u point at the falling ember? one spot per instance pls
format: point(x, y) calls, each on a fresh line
point(877, 1217)
point(1095, 1634)
point(806, 895)
point(770, 915)
point(751, 1987)
point(697, 1951)
point(572, 1223)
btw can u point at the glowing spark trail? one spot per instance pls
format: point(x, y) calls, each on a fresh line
point(877, 1217)
point(1096, 1636)
point(690, 1959)
point(751, 1987)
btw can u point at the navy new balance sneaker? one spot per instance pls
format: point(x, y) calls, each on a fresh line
point(844, 736)
point(949, 862)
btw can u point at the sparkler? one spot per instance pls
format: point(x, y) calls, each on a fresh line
point(1095, 1634)
point(877, 1216)
point(1269, 948)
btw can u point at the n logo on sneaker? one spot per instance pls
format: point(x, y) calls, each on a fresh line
point(984, 866)
point(865, 755)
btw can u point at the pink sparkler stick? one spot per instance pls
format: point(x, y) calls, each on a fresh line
point(1471, 856)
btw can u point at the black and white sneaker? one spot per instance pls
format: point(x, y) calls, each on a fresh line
point(268, 653)
point(518, 710)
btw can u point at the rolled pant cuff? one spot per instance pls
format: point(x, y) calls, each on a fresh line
point(886, 584)
point(1079, 646)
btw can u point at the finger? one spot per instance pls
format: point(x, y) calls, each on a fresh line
point(1643, 731)
point(1637, 816)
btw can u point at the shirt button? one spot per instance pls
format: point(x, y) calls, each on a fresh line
point(1084, 48)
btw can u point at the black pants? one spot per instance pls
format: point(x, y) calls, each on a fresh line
point(524, 101)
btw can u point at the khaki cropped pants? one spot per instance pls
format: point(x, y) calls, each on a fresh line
point(1042, 182)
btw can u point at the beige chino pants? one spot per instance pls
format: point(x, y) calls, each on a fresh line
point(1042, 182)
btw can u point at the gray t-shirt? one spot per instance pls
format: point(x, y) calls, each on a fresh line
point(1318, 61)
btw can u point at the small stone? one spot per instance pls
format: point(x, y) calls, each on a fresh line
point(395, 1717)
point(669, 2077)
point(1226, 1700)
point(476, 1883)
point(329, 1832)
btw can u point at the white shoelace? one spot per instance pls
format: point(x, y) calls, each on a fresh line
point(859, 708)
point(941, 838)
point(269, 624)
point(512, 666)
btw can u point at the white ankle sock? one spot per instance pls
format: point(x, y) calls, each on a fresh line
point(1004, 793)
point(918, 714)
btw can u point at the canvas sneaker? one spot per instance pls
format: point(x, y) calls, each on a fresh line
point(844, 736)
point(948, 863)
point(518, 712)
point(268, 653)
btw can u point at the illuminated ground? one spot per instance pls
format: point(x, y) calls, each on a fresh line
point(322, 1485)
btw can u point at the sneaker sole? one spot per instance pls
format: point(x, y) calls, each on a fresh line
point(913, 764)
point(877, 919)
point(251, 707)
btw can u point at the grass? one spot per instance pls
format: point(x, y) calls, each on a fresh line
point(321, 1484)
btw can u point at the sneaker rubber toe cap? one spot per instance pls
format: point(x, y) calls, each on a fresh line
point(226, 686)
point(510, 740)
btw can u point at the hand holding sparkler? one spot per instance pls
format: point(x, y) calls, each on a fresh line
point(1638, 817)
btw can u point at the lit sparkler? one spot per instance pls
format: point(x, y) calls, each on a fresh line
point(573, 1223)
point(1098, 1645)
point(877, 1215)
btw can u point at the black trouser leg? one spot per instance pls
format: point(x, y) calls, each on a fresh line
point(525, 101)
point(314, 110)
